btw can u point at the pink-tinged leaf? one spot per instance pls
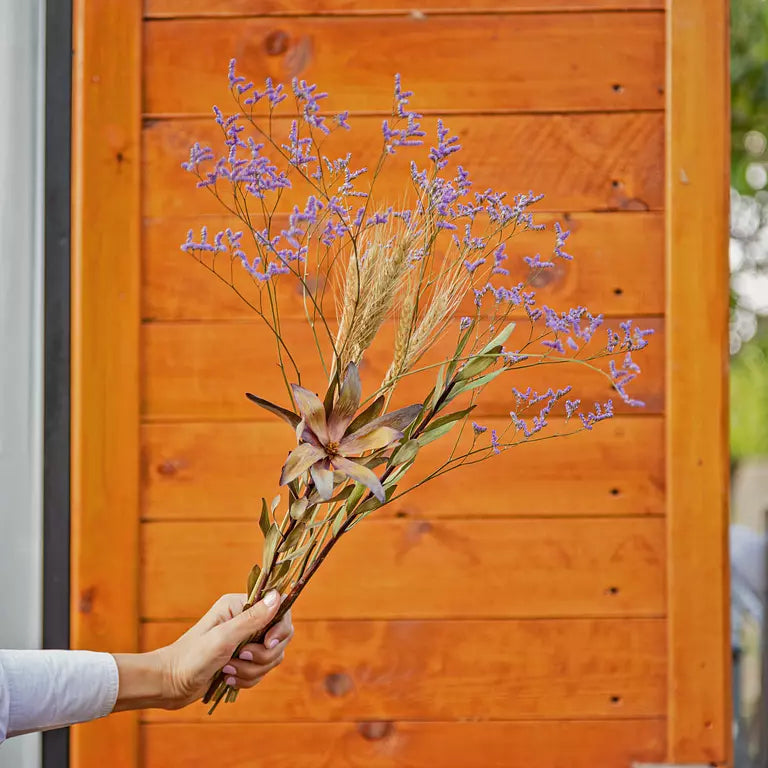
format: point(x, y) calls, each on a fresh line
point(299, 460)
point(360, 474)
point(397, 420)
point(323, 478)
point(378, 438)
point(278, 410)
point(346, 404)
point(312, 411)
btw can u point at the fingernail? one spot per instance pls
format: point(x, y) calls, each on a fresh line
point(246, 656)
point(272, 643)
point(231, 682)
point(229, 670)
point(271, 598)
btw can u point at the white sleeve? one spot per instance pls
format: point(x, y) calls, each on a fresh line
point(40, 690)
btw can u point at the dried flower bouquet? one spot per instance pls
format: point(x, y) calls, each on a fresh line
point(433, 268)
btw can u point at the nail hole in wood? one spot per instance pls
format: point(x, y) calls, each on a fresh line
point(614, 491)
point(615, 183)
point(615, 699)
point(617, 88)
point(618, 291)
point(612, 591)
point(338, 684)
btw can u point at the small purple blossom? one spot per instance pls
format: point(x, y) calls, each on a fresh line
point(478, 429)
point(499, 255)
point(446, 146)
point(471, 266)
point(571, 406)
point(599, 414)
point(495, 442)
point(535, 262)
point(464, 323)
point(561, 238)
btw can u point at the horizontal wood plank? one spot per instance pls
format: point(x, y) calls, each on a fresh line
point(195, 371)
point(206, 471)
point(562, 62)
point(618, 269)
point(382, 744)
point(462, 670)
point(216, 8)
point(426, 568)
point(611, 161)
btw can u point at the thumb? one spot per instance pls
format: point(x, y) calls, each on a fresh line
point(250, 621)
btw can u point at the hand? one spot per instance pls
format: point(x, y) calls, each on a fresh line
point(177, 675)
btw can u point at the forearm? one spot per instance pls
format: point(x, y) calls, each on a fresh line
point(51, 689)
point(142, 681)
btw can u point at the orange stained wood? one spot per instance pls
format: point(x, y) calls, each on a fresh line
point(581, 162)
point(359, 670)
point(382, 744)
point(613, 60)
point(526, 568)
point(213, 8)
point(216, 471)
point(105, 354)
point(196, 371)
point(698, 169)
point(618, 267)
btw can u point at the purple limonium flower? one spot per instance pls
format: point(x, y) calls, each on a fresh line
point(622, 376)
point(513, 357)
point(464, 323)
point(599, 414)
point(197, 155)
point(555, 345)
point(308, 97)
point(446, 146)
point(342, 120)
point(535, 262)
point(495, 442)
point(561, 238)
point(471, 266)
point(571, 406)
point(478, 429)
point(499, 255)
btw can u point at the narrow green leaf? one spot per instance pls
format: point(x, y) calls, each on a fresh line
point(264, 521)
point(358, 489)
point(253, 577)
point(275, 503)
point(466, 386)
point(449, 418)
point(293, 538)
point(297, 553)
point(372, 504)
point(405, 452)
point(271, 541)
point(330, 394)
point(398, 474)
point(370, 413)
point(500, 339)
point(430, 435)
point(298, 508)
point(439, 384)
point(478, 364)
point(289, 416)
point(338, 521)
point(279, 573)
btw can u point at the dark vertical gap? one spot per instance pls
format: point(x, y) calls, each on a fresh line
point(56, 419)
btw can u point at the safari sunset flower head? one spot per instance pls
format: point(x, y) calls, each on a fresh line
point(411, 277)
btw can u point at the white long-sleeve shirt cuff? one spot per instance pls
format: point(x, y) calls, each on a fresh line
point(52, 689)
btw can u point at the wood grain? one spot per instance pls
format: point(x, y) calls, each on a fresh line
point(104, 356)
point(533, 669)
point(698, 169)
point(195, 371)
point(426, 568)
point(618, 269)
point(214, 8)
point(581, 162)
point(382, 744)
point(562, 62)
point(206, 471)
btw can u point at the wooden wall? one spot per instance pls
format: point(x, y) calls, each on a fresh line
point(524, 626)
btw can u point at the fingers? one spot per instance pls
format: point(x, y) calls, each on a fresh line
point(241, 673)
point(224, 609)
point(283, 630)
point(249, 622)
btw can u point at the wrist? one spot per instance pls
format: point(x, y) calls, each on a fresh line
point(143, 683)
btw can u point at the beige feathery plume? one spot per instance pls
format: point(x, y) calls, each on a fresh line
point(371, 284)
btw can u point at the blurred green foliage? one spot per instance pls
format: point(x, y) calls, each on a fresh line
point(749, 84)
point(749, 397)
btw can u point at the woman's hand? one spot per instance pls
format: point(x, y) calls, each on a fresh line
point(177, 675)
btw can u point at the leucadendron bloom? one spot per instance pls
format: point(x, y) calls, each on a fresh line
point(337, 441)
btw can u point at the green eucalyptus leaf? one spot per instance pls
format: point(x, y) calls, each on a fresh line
point(405, 452)
point(264, 521)
point(253, 577)
point(289, 416)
